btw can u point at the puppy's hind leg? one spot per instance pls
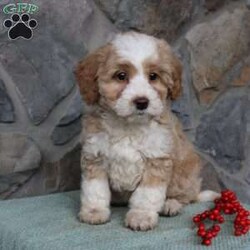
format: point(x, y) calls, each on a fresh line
point(172, 207)
point(182, 191)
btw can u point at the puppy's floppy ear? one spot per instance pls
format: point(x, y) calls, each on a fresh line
point(87, 74)
point(174, 68)
point(176, 89)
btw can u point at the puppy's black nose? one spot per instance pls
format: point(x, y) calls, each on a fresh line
point(141, 103)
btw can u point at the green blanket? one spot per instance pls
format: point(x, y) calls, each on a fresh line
point(50, 223)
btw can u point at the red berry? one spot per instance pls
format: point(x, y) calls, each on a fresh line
point(201, 233)
point(209, 235)
point(237, 233)
point(203, 216)
point(224, 192)
point(237, 227)
point(220, 219)
point(216, 228)
point(225, 198)
point(237, 220)
point(216, 201)
point(243, 223)
point(214, 234)
point(207, 212)
point(207, 242)
point(218, 207)
point(196, 219)
point(232, 197)
point(229, 204)
point(241, 213)
point(238, 206)
point(234, 210)
point(212, 217)
point(247, 213)
point(216, 211)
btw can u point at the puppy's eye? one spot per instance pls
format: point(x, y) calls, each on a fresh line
point(122, 76)
point(153, 76)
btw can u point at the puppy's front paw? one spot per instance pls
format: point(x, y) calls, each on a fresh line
point(172, 207)
point(94, 215)
point(141, 220)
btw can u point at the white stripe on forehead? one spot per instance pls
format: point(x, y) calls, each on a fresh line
point(135, 47)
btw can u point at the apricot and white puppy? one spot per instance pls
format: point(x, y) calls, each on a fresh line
point(134, 149)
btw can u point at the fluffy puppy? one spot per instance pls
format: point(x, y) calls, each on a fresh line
point(133, 147)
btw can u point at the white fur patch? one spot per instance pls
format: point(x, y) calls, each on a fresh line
point(136, 48)
point(95, 193)
point(138, 87)
point(124, 147)
point(148, 198)
point(95, 144)
point(208, 195)
point(129, 145)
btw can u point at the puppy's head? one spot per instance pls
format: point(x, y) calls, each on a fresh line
point(132, 75)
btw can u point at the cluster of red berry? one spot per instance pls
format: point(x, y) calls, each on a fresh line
point(228, 204)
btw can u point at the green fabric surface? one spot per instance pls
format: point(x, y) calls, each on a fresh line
point(50, 223)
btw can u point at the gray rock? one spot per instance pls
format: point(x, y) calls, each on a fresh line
point(62, 175)
point(18, 153)
point(78, 26)
point(247, 178)
point(70, 170)
point(74, 110)
point(183, 107)
point(4, 185)
point(246, 172)
point(42, 72)
point(222, 132)
point(110, 8)
point(6, 107)
point(179, 108)
point(248, 4)
point(211, 57)
point(11, 183)
point(67, 23)
point(42, 67)
point(63, 134)
point(213, 5)
point(161, 18)
point(70, 124)
point(210, 178)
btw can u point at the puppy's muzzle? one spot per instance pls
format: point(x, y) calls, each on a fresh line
point(141, 103)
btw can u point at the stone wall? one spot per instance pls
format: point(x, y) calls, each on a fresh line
point(40, 106)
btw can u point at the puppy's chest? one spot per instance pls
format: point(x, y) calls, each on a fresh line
point(128, 149)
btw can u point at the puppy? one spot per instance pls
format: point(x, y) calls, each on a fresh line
point(133, 147)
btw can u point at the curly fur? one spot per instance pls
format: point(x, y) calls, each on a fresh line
point(140, 157)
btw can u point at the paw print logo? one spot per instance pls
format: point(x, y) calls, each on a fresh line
point(20, 26)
